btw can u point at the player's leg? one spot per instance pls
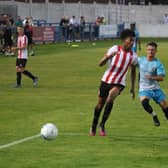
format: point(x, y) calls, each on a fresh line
point(97, 112)
point(18, 73)
point(113, 93)
point(103, 93)
point(145, 98)
point(161, 100)
point(164, 107)
point(29, 74)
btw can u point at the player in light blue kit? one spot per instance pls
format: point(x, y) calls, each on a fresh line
point(151, 73)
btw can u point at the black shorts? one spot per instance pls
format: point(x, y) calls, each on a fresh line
point(105, 88)
point(21, 63)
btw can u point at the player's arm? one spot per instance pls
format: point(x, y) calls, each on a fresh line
point(19, 48)
point(133, 78)
point(160, 74)
point(158, 78)
point(106, 57)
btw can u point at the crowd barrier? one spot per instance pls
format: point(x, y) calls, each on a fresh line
point(53, 32)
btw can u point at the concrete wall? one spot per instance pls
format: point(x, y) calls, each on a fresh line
point(153, 30)
point(52, 12)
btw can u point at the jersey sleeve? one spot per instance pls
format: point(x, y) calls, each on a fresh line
point(112, 50)
point(161, 69)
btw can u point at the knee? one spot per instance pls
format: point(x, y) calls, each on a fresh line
point(165, 110)
point(99, 106)
point(112, 95)
point(146, 105)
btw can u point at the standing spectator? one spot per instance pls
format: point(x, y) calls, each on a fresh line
point(72, 23)
point(25, 20)
point(8, 38)
point(19, 22)
point(28, 31)
point(30, 20)
point(166, 18)
point(96, 28)
point(82, 27)
point(137, 42)
point(63, 26)
point(103, 21)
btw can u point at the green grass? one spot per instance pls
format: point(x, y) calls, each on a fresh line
point(67, 93)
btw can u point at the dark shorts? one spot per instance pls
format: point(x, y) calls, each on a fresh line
point(21, 63)
point(105, 88)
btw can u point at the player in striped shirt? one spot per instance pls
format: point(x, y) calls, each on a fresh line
point(22, 44)
point(120, 58)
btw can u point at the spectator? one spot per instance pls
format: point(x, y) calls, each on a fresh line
point(166, 18)
point(137, 42)
point(19, 22)
point(25, 20)
point(96, 27)
point(64, 26)
point(72, 24)
point(30, 20)
point(82, 27)
point(103, 20)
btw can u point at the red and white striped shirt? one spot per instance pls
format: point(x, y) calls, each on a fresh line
point(118, 65)
point(22, 41)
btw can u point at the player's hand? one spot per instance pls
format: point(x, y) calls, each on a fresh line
point(132, 93)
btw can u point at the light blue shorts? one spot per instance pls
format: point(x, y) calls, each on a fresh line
point(157, 95)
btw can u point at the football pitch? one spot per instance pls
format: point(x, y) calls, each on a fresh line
point(69, 79)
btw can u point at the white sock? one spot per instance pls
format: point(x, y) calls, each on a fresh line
point(153, 114)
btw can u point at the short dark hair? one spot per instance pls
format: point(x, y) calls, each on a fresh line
point(153, 44)
point(20, 26)
point(127, 33)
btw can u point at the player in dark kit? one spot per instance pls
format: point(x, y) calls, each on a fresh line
point(22, 44)
point(120, 58)
point(28, 31)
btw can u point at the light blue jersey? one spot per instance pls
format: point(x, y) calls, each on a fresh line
point(150, 68)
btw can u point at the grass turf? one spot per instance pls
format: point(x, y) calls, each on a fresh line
point(67, 93)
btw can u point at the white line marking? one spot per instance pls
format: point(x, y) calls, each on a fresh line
point(19, 141)
point(36, 136)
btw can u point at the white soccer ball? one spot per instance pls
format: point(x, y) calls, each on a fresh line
point(49, 131)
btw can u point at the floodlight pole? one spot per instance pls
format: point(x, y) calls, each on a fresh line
point(30, 8)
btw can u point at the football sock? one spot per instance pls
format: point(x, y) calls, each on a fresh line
point(106, 114)
point(166, 112)
point(96, 118)
point(27, 73)
point(19, 77)
point(147, 107)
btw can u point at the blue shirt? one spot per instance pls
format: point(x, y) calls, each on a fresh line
point(150, 68)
